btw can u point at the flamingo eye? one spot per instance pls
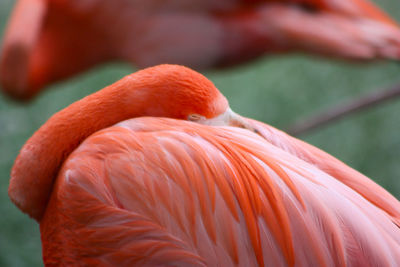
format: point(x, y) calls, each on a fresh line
point(195, 117)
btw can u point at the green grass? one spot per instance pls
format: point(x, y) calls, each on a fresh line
point(276, 90)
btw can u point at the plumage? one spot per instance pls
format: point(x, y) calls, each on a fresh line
point(50, 40)
point(151, 190)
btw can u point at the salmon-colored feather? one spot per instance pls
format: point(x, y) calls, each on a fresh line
point(367, 188)
point(322, 233)
point(154, 191)
point(50, 40)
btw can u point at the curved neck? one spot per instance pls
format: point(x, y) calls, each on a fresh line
point(38, 163)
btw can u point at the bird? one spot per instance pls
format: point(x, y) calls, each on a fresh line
point(157, 170)
point(47, 41)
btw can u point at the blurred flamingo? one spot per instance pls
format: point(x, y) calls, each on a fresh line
point(51, 40)
point(112, 189)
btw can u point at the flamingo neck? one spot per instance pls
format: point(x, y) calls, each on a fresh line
point(37, 165)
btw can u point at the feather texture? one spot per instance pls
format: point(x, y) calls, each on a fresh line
point(112, 187)
point(153, 191)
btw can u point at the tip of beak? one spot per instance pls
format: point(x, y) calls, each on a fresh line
point(230, 118)
point(242, 122)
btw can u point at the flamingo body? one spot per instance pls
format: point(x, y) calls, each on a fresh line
point(154, 191)
point(157, 170)
point(51, 40)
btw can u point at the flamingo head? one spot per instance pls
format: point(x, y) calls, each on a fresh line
point(181, 93)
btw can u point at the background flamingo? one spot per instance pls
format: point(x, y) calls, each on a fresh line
point(50, 40)
point(155, 191)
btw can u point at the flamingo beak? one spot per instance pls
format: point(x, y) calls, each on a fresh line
point(230, 118)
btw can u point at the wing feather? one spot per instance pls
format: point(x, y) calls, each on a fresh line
point(153, 191)
point(332, 166)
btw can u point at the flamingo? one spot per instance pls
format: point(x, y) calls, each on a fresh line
point(157, 170)
point(50, 40)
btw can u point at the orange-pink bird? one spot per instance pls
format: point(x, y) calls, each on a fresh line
point(50, 40)
point(157, 170)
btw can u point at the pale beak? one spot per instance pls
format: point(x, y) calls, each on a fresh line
point(230, 118)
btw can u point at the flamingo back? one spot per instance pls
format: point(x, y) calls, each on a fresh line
point(156, 191)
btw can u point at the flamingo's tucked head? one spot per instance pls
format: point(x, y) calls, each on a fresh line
point(179, 92)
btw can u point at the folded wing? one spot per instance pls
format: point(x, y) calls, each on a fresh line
point(149, 191)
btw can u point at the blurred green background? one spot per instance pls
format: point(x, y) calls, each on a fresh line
point(276, 90)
